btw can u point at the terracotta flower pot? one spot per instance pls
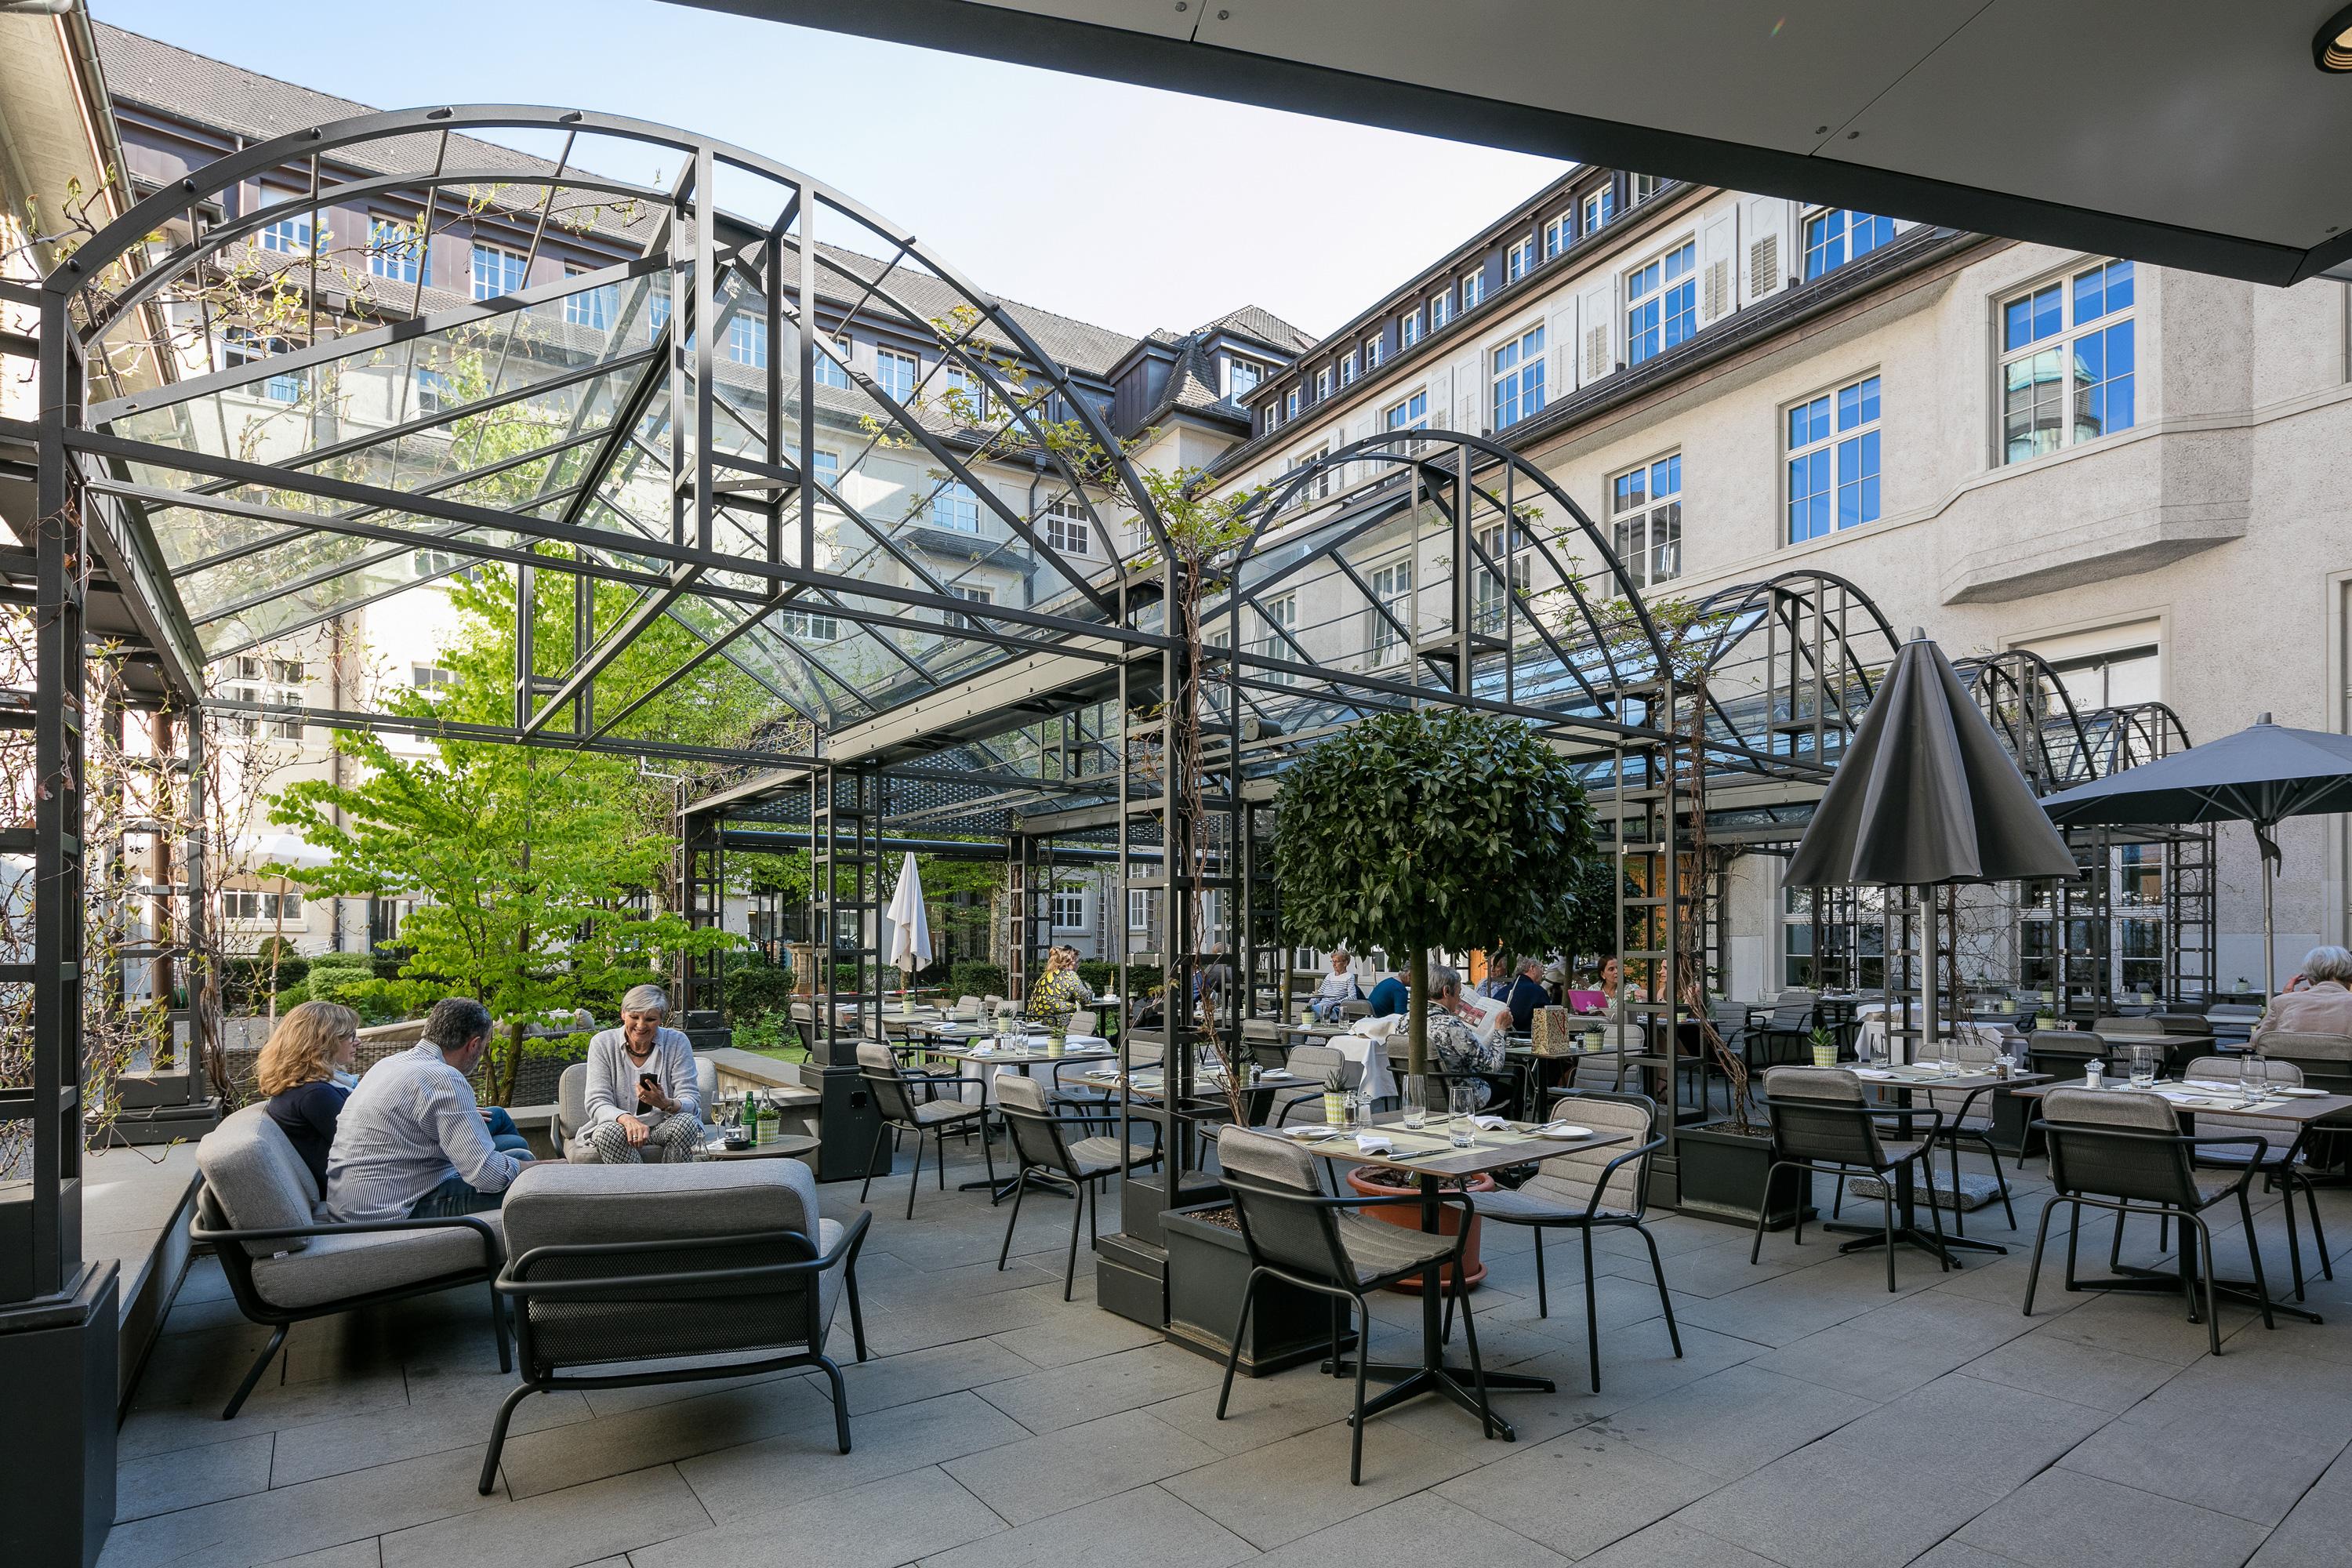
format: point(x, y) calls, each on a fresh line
point(1374, 1182)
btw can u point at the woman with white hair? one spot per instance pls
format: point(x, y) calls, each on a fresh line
point(2320, 1004)
point(644, 1104)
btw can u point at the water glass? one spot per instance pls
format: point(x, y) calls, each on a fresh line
point(1351, 1110)
point(2142, 1066)
point(2253, 1077)
point(1416, 1103)
point(1947, 1057)
point(1461, 1098)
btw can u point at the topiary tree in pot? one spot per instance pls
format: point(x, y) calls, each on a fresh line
point(1435, 828)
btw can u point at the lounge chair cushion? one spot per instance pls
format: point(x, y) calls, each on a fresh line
point(257, 1179)
point(338, 1267)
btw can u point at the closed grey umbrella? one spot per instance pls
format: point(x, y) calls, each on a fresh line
point(2260, 776)
point(1925, 795)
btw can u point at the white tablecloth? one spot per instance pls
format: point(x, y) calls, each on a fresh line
point(1379, 1082)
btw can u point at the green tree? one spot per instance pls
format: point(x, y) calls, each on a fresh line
point(1428, 829)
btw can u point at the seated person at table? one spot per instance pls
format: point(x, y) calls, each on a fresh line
point(1338, 986)
point(1453, 1044)
point(2322, 1006)
point(309, 1049)
point(1526, 993)
point(1496, 986)
point(1211, 980)
point(1391, 997)
point(645, 1106)
point(1058, 992)
point(410, 1142)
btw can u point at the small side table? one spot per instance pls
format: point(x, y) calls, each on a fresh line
point(782, 1146)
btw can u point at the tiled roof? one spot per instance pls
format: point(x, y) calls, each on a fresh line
point(197, 87)
point(1256, 322)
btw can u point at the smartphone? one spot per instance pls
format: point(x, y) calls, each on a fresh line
point(649, 1083)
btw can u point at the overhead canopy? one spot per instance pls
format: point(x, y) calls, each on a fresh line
point(2177, 131)
point(1926, 795)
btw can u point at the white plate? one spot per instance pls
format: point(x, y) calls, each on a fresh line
point(1564, 1133)
point(2285, 1092)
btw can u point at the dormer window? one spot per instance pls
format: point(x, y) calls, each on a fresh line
point(1242, 376)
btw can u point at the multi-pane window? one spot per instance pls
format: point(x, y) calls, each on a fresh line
point(1348, 363)
point(1069, 909)
point(1279, 614)
point(1519, 261)
point(496, 270)
point(1835, 238)
point(1640, 188)
point(1645, 512)
point(1290, 403)
point(1833, 460)
point(242, 345)
point(1321, 484)
point(590, 307)
point(1409, 328)
point(1441, 309)
point(1392, 591)
point(1474, 288)
point(657, 311)
point(289, 235)
point(429, 678)
point(1067, 529)
point(284, 689)
point(1490, 610)
point(809, 626)
point(1322, 383)
point(831, 371)
point(1661, 304)
point(972, 596)
point(1407, 414)
point(1558, 235)
point(954, 506)
point(1138, 908)
point(746, 341)
point(2068, 363)
point(244, 904)
point(1600, 209)
point(1519, 379)
point(896, 372)
point(828, 469)
point(1372, 347)
point(435, 392)
point(1242, 377)
point(395, 251)
point(1272, 411)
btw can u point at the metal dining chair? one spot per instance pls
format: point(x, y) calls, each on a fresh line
point(2122, 1151)
point(1822, 1123)
point(2277, 1165)
point(893, 1087)
point(1314, 1064)
point(1586, 1190)
point(1046, 1153)
point(1322, 1244)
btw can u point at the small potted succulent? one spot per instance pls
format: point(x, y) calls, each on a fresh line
point(1824, 1049)
point(1335, 1100)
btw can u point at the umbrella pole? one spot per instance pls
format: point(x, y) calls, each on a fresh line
point(2270, 938)
point(1928, 1020)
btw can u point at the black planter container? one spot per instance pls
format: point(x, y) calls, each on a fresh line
point(1207, 1267)
point(1723, 1178)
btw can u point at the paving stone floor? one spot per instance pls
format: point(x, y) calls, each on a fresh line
point(1813, 1419)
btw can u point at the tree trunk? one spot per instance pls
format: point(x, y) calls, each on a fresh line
point(1417, 1015)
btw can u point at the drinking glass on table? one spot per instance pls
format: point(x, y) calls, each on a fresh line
point(2142, 1066)
point(1462, 1099)
point(2253, 1078)
point(1416, 1103)
point(1352, 1109)
point(1947, 1057)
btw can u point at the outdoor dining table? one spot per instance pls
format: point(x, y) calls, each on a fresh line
point(2292, 1111)
point(972, 1047)
point(1901, 1080)
point(1427, 1154)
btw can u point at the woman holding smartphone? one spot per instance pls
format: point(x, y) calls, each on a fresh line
point(644, 1104)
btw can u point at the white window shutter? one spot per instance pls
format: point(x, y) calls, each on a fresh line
point(1469, 396)
point(1597, 332)
point(1559, 333)
point(1717, 247)
point(1767, 261)
point(1441, 397)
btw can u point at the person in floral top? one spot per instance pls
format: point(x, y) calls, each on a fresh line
point(1059, 991)
point(1454, 1045)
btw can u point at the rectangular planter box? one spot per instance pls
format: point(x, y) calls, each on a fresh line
point(1723, 1178)
point(1207, 1266)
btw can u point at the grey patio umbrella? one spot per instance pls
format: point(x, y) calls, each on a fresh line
point(2260, 775)
point(1923, 796)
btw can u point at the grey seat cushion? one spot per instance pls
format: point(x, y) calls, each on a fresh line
point(1097, 1154)
point(930, 1112)
point(571, 1115)
point(338, 1267)
point(553, 1206)
point(1378, 1249)
point(257, 1179)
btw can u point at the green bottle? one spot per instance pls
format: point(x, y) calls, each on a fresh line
point(751, 1119)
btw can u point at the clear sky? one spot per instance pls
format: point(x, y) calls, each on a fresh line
point(1121, 205)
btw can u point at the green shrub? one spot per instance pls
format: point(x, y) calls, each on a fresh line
point(976, 977)
point(1099, 975)
point(357, 964)
point(293, 997)
point(755, 987)
point(845, 979)
point(556, 1047)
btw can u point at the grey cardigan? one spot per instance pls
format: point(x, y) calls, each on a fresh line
point(612, 1078)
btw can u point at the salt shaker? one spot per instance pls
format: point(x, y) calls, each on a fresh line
point(2091, 1072)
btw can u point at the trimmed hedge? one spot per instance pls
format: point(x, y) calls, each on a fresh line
point(976, 977)
point(755, 988)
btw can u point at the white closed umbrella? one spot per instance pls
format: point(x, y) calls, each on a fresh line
point(910, 926)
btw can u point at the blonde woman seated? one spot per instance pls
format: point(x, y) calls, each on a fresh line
point(305, 1071)
point(644, 1104)
point(1059, 991)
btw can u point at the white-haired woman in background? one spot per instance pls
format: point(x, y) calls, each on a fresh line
point(2322, 1004)
point(644, 1105)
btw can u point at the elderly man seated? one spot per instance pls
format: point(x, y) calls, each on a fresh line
point(1455, 1048)
point(645, 1106)
point(1338, 986)
point(2319, 1003)
point(411, 1142)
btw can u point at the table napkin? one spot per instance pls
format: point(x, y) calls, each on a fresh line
point(1490, 1123)
point(1374, 1144)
